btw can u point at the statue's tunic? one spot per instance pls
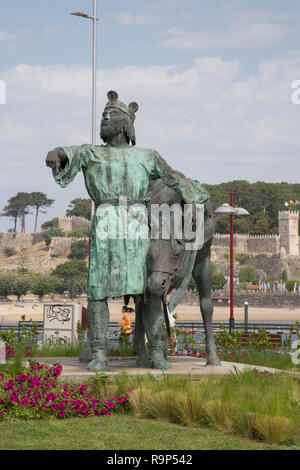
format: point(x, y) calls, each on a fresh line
point(117, 264)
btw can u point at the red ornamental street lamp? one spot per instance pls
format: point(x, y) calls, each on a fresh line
point(230, 210)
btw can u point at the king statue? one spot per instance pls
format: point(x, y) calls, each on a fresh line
point(114, 172)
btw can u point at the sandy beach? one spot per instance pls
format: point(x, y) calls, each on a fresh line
point(34, 311)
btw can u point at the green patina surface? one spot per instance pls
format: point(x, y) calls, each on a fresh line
point(118, 265)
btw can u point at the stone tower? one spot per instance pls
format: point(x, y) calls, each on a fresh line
point(288, 231)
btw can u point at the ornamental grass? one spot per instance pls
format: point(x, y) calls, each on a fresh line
point(254, 404)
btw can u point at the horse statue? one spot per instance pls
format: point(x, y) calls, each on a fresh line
point(169, 269)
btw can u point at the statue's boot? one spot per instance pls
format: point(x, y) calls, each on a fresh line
point(153, 318)
point(99, 359)
point(98, 318)
point(213, 360)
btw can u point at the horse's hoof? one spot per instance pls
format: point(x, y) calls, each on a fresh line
point(213, 361)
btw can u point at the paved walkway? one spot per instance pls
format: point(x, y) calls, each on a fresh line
point(74, 370)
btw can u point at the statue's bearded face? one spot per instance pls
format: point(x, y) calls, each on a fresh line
point(114, 122)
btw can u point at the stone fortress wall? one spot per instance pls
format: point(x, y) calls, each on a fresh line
point(286, 242)
point(246, 244)
point(71, 223)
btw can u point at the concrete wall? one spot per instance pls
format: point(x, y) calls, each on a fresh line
point(264, 299)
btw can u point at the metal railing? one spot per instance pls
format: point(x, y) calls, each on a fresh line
point(195, 328)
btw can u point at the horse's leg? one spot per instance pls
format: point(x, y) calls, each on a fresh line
point(139, 347)
point(153, 319)
point(98, 318)
point(202, 275)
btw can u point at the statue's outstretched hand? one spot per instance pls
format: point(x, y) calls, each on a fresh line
point(56, 158)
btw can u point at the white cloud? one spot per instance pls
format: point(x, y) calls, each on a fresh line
point(6, 36)
point(206, 119)
point(128, 19)
point(241, 34)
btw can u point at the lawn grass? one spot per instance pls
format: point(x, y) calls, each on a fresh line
point(120, 433)
point(273, 359)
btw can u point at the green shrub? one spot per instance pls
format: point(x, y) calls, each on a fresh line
point(52, 232)
point(9, 251)
point(218, 281)
point(247, 275)
point(242, 258)
point(79, 233)
point(79, 250)
point(291, 283)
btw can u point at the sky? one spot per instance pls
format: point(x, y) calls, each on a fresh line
point(213, 81)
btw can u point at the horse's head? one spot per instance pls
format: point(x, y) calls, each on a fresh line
point(164, 261)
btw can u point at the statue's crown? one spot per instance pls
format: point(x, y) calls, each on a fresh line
point(113, 102)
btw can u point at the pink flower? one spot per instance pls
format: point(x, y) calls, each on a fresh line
point(61, 413)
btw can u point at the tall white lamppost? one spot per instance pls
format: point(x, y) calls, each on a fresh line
point(94, 81)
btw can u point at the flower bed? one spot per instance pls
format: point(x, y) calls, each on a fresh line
point(38, 393)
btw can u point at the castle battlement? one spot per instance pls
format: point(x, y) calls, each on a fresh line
point(288, 238)
point(288, 213)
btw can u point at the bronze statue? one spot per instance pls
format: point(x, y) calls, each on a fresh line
point(117, 177)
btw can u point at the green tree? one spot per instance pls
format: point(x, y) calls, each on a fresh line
point(79, 250)
point(39, 201)
point(18, 207)
point(218, 281)
point(242, 225)
point(23, 200)
point(12, 210)
point(43, 285)
point(74, 276)
point(47, 225)
point(6, 283)
point(80, 208)
point(71, 270)
point(21, 285)
point(247, 275)
point(262, 226)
